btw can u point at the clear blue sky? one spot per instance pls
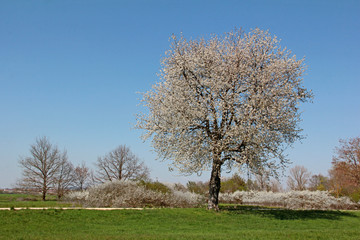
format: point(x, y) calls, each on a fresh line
point(71, 70)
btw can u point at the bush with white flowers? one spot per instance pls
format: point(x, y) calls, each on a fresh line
point(291, 200)
point(132, 194)
point(136, 194)
point(77, 196)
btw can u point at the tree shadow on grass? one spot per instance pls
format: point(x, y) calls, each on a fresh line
point(287, 214)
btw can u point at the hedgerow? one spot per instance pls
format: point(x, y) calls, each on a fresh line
point(291, 200)
point(155, 194)
point(133, 194)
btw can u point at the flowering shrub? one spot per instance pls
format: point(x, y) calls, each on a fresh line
point(77, 196)
point(290, 200)
point(132, 194)
point(235, 197)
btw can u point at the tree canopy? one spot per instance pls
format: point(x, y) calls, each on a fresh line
point(120, 164)
point(41, 170)
point(224, 101)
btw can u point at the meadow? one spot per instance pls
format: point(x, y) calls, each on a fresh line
point(29, 200)
point(231, 222)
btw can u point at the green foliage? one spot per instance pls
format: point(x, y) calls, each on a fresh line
point(235, 183)
point(232, 222)
point(355, 195)
point(348, 191)
point(155, 186)
point(198, 187)
point(319, 182)
point(321, 187)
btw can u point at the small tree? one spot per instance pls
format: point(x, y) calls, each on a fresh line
point(275, 186)
point(41, 168)
point(339, 182)
point(120, 164)
point(230, 100)
point(64, 178)
point(262, 181)
point(82, 177)
point(298, 178)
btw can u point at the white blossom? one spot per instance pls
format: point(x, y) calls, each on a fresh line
point(225, 101)
point(291, 200)
point(131, 194)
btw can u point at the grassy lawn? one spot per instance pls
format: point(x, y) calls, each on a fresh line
point(29, 200)
point(230, 223)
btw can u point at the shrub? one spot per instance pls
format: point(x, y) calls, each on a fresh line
point(355, 195)
point(155, 186)
point(291, 200)
point(79, 197)
point(132, 194)
point(178, 187)
point(233, 184)
point(198, 187)
point(235, 197)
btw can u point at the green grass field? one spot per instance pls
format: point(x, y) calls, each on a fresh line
point(229, 223)
point(29, 200)
point(232, 222)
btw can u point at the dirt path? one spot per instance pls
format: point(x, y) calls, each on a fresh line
point(69, 208)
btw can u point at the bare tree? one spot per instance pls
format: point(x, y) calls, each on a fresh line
point(298, 178)
point(41, 168)
point(82, 177)
point(120, 164)
point(230, 100)
point(275, 185)
point(64, 177)
point(262, 181)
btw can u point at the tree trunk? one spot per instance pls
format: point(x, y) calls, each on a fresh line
point(44, 190)
point(44, 194)
point(59, 192)
point(214, 185)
